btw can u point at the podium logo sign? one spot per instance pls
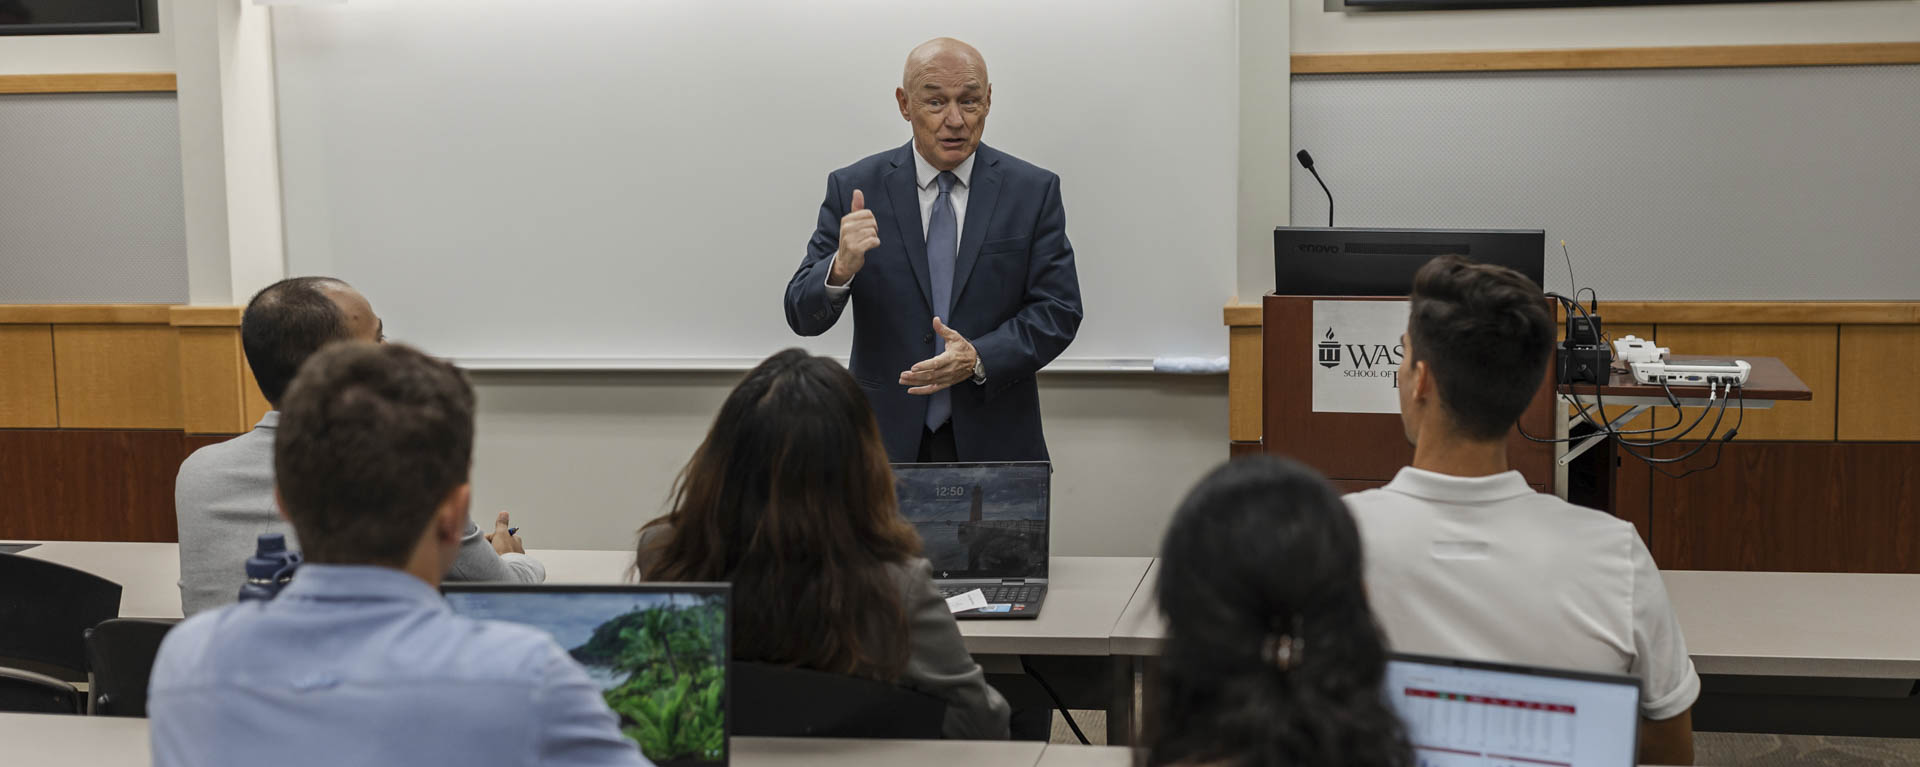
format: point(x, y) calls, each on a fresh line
point(1357, 354)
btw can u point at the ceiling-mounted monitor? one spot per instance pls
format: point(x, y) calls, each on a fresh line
point(75, 17)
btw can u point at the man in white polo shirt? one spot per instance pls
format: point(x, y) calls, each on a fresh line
point(1464, 559)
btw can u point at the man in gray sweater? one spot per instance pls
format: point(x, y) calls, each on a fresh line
point(224, 497)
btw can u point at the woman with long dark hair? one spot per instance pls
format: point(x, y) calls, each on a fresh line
point(1272, 656)
point(791, 500)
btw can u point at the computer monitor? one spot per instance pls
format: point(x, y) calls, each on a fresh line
point(658, 651)
point(1345, 261)
point(1461, 713)
point(979, 520)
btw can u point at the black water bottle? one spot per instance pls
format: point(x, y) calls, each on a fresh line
point(269, 569)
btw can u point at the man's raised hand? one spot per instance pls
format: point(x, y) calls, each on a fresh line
point(859, 233)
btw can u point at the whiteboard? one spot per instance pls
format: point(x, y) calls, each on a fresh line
point(1776, 184)
point(637, 179)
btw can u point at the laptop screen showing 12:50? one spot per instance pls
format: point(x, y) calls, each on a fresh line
point(658, 652)
point(1461, 713)
point(979, 520)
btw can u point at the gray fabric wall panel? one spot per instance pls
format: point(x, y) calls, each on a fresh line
point(90, 207)
point(1700, 184)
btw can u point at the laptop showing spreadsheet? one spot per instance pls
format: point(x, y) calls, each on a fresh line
point(658, 651)
point(983, 526)
point(1461, 713)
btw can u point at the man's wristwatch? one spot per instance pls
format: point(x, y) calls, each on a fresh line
point(979, 372)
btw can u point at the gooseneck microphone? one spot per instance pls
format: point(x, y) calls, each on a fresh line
point(1306, 161)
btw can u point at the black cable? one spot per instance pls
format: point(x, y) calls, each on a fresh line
point(1600, 399)
point(1719, 449)
point(1598, 426)
point(1059, 704)
point(1734, 388)
point(1703, 444)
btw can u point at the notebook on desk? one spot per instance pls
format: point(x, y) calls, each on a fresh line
point(1461, 713)
point(984, 526)
point(640, 643)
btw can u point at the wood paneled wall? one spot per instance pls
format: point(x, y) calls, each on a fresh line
point(125, 367)
point(27, 397)
point(1826, 485)
point(1856, 356)
point(1788, 506)
point(100, 404)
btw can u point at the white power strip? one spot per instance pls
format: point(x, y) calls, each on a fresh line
point(1692, 373)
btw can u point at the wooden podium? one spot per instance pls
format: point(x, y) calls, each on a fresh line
point(1357, 451)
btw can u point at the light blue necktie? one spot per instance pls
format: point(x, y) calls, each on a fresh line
point(942, 245)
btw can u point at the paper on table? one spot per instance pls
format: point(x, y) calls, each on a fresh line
point(972, 600)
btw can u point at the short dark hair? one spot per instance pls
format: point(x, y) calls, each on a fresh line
point(372, 438)
point(285, 323)
point(1485, 333)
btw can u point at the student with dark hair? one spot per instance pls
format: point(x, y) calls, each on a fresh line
point(1271, 657)
point(1465, 559)
point(790, 498)
point(359, 661)
point(223, 497)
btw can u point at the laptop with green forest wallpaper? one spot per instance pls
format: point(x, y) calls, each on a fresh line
point(658, 652)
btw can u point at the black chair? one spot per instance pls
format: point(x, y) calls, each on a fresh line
point(120, 655)
point(780, 702)
point(28, 692)
point(45, 611)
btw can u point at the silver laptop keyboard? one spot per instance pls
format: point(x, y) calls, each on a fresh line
point(997, 594)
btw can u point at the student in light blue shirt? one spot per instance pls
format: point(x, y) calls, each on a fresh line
point(359, 661)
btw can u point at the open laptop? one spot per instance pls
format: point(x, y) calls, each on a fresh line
point(1461, 713)
point(639, 642)
point(985, 527)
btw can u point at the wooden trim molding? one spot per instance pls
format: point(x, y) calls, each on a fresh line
point(1674, 57)
point(125, 366)
point(205, 316)
point(120, 82)
point(1761, 312)
point(1834, 346)
point(1694, 313)
point(84, 314)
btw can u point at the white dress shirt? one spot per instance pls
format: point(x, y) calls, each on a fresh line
point(926, 178)
point(1485, 568)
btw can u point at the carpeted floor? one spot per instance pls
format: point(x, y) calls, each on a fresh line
point(1709, 748)
point(1801, 750)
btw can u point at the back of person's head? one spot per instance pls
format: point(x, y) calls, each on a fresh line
point(791, 499)
point(1272, 656)
point(1484, 335)
point(287, 322)
point(375, 440)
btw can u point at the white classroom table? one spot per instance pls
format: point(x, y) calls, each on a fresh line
point(99, 741)
point(1085, 599)
point(1850, 625)
point(1086, 756)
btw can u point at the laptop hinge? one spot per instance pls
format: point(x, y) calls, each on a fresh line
point(1013, 581)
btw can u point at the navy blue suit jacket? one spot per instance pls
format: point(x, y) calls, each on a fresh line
point(1016, 297)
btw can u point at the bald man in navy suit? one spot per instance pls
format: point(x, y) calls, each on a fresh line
point(955, 258)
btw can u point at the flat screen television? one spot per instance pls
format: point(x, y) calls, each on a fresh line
point(74, 17)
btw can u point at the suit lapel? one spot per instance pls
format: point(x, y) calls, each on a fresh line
point(982, 195)
point(903, 194)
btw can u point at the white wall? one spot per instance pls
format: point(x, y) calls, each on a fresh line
point(1316, 30)
point(584, 460)
point(1265, 144)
